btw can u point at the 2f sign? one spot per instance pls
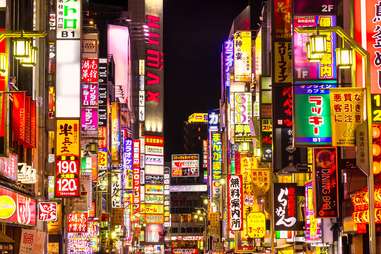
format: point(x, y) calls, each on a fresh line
point(327, 8)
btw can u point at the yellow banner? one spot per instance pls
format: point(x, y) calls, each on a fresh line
point(67, 134)
point(102, 160)
point(256, 223)
point(283, 62)
point(347, 109)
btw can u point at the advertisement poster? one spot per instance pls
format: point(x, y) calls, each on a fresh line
point(185, 165)
point(235, 202)
point(326, 189)
point(32, 241)
point(285, 206)
point(89, 71)
point(312, 120)
point(242, 108)
point(47, 211)
point(256, 225)
point(89, 119)
point(347, 108)
point(90, 95)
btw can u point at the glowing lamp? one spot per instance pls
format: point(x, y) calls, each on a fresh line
point(31, 60)
point(21, 48)
point(318, 44)
point(205, 201)
point(312, 57)
point(3, 63)
point(343, 58)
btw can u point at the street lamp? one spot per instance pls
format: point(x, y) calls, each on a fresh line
point(366, 73)
point(343, 58)
point(21, 48)
point(31, 60)
point(318, 44)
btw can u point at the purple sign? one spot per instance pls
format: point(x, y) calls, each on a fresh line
point(315, 7)
point(89, 119)
point(228, 60)
point(89, 95)
point(127, 154)
point(325, 69)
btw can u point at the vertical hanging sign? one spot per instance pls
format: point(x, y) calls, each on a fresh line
point(285, 206)
point(235, 202)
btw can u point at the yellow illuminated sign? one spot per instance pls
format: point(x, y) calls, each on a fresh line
point(198, 118)
point(152, 209)
point(256, 225)
point(67, 134)
point(242, 56)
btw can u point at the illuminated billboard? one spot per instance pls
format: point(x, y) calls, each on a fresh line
point(312, 119)
point(185, 165)
point(118, 46)
point(242, 56)
point(154, 66)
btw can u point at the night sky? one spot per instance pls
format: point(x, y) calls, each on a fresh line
point(193, 34)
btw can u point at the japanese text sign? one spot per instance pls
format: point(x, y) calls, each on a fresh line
point(67, 137)
point(376, 108)
point(89, 71)
point(325, 69)
point(216, 155)
point(346, 114)
point(77, 222)
point(285, 206)
point(282, 19)
point(235, 202)
point(312, 119)
point(316, 7)
point(282, 62)
point(68, 19)
point(326, 189)
point(8, 166)
point(90, 95)
point(242, 56)
point(67, 177)
point(312, 224)
point(47, 211)
point(228, 61)
point(256, 223)
point(89, 119)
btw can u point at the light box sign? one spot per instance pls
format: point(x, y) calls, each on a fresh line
point(116, 189)
point(136, 176)
point(312, 118)
point(216, 155)
point(77, 222)
point(285, 206)
point(213, 120)
point(313, 231)
point(8, 166)
point(67, 177)
point(235, 202)
point(26, 174)
point(185, 165)
point(154, 179)
point(89, 119)
point(90, 95)
point(325, 69)
point(282, 62)
point(154, 66)
point(242, 108)
point(68, 78)
point(68, 19)
point(154, 189)
point(228, 55)
point(346, 114)
point(17, 208)
point(282, 19)
point(152, 209)
point(326, 185)
point(67, 134)
point(47, 211)
point(102, 92)
point(317, 7)
point(155, 199)
point(256, 223)
point(242, 56)
point(89, 71)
